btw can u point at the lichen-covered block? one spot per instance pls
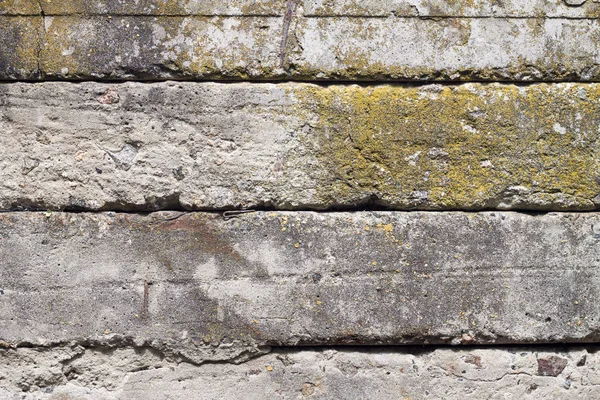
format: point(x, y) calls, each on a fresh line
point(192, 281)
point(463, 147)
point(163, 7)
point(255, 47)
point(200, 146)
point(20, 7)
point(312, 8)
point(160, 48)
point(21, 41)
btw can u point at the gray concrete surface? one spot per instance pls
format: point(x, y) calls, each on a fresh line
point(178, 305)
point(461, 8)
point(203, 146)
point(191, 282)
point(77, 373)
point(259, 45)
point(364, 8)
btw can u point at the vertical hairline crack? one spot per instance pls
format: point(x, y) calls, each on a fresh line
point(287, 20)
point(41, 41)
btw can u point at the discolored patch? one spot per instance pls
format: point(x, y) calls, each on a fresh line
point(464, 147)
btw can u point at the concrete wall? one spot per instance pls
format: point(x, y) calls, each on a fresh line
point(299, 199)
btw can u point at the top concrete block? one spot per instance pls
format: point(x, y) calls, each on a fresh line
point(19, 7)
point(456, 8)
point(276, 48)
point(141, 7)
point(368, 8)
point(399, 40)
point(164, 7)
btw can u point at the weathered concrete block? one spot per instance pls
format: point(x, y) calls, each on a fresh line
point(283, 47)
point(20, 7)
point(21, 46)
point(200, 146)
point(159, 48)
point(413, 49)
point(189, 282)
point(355, 373)
point(163, 7)
point(461, 8)
point(317, 8)
point(52, 8)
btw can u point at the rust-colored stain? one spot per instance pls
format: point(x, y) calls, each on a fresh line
point(203, 236)
point(144, 313)
point(475, 360)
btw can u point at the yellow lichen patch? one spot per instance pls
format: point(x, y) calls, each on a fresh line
point(21, 43)
point(261, 7)
point(389, 231)
point(229, 46)
point(471, 146)
point(65, 7)
point(65, 53)
point(158, 7)
point(432, 8)
point(19, 7)
point(138, 7)
point(197, 46)
point(284, 221)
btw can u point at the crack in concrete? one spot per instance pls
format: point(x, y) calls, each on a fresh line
point(391, 14)
point(164, 350)
point(287, 20)
point(439, 18)
point(454, 374)
point(41, 42)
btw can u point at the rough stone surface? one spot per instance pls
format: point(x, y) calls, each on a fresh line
point(194, 281)
point(448, 49)
point(462, 8)
point(362, 8)
point(158, 48)
point(177, 305)
point(200, 146)
point(164, 7)
point(75, 372)
point(551, 365)
point(20, 7)
point(259, 47)
point(20, 49)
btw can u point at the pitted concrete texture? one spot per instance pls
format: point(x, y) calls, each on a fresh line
point(201, 146)
point(75, 372)
point(163, 7)
point(20, 50)
point(363, 8)
point(414, 49)
point(193, 282)
point(287, 45)
point(20, 7)
point(445, 8)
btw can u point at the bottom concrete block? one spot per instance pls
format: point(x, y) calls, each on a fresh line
point(102, 373)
